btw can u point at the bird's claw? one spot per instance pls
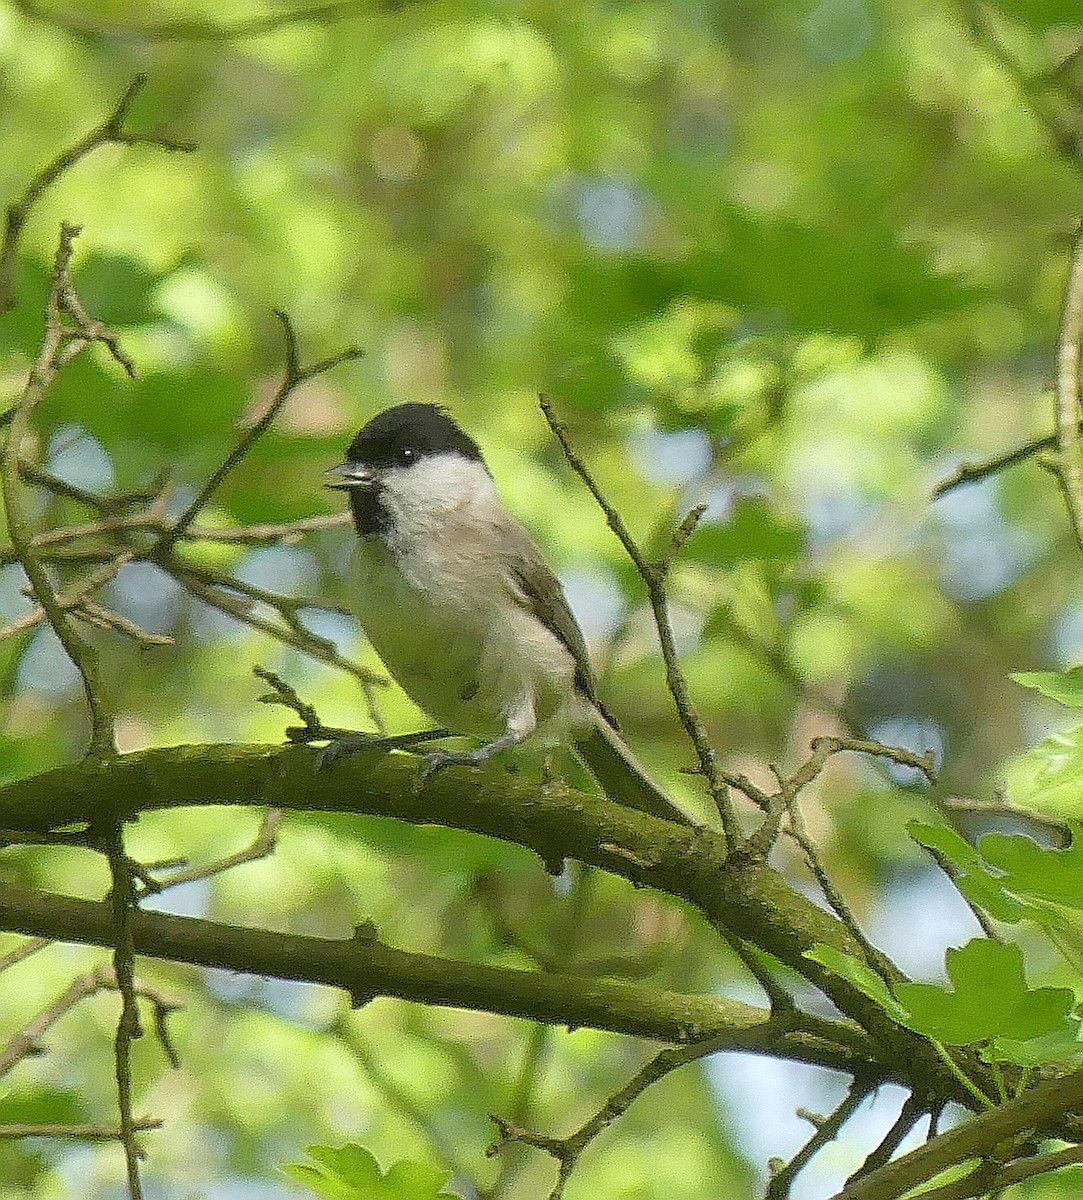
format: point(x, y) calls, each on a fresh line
point(437, 760)
point(340, 748)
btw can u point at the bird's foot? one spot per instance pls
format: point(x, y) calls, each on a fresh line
point(437, 760)
point(340, 748)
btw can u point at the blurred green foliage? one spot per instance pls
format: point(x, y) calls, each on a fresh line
point(791, 258)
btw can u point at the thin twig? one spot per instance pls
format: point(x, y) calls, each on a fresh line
point(111, 130)
point(262, 844)
point(991, 1177)
point(59, 343)
point(826, 1129)
point(303, 639)
point(681, 535)
point(653, 576)
point(744, 785)
point(288, 607)
point(286, 695)
point(105, 618)
point(952, 872)
point(27, 1042)
point(568, 1150)
point(972, 472)
point(214, 588)
point(979, 1137)
point(107, 506)
point(1000, 807)
point(90, 529)
point(1032, 87)
point(81, 1132)
point(776, 805)
point(56, 544)
point(29, 620)
point(286, 533)
point(23, 950)
point(1069, 445)
point(314, 730)
point(780, 1000)
point(124, 900)
point(261, 535)
point(293, 375)
point(823, 747)
point(72, 599)
point(913, 1109)
point(874, 957)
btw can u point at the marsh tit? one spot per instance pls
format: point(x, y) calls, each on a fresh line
point(459, 604)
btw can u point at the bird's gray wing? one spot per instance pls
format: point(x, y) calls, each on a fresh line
point(621, 775)
point(537, 589)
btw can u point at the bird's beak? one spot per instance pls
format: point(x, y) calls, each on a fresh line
point(349, 475)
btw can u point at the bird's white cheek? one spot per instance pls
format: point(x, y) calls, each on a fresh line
point(423, 498)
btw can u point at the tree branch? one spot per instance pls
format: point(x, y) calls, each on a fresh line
point(110, 130)
point(122, 902)
point(913, 1110)
point(742, 893)
point(1033, 88)
point(825, 1130)
point(1034, 1110)
point(27, 1042)
point(367, 968)
point(992, 1178)
point(972, 472)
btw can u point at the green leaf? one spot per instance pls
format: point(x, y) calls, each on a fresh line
point(989, 999)
point(353, 1163)
point(1066, 687)
point(1061, 1046)
point(413, 1181)
point(1049, 776)
point(1051, 874)
point(351, 1172)
point(947, 842)
point(973, 878)
point(858, 975)
point(989, 894)
point(329, 1187)
point(750, 532)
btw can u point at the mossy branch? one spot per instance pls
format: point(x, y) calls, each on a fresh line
point(739, 894)
point(367, 968)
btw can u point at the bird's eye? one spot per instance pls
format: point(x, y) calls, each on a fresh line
point(407, 455)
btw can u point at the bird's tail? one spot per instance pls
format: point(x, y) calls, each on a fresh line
point(621, 775)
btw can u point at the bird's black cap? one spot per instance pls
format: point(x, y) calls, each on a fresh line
point(401, 435)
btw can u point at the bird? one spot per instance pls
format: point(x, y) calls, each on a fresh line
point(458, 602)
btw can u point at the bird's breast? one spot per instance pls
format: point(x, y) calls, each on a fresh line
point(456, 642)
